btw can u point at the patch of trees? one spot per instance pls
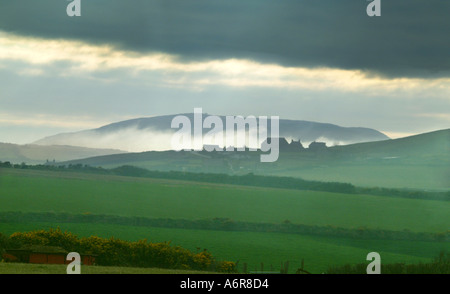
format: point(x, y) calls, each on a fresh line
point(6, 164)
point(226, 224)
point(405, 193)
point(246, 180)
point(4, 243)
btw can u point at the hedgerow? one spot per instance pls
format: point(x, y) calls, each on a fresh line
point(117, 252)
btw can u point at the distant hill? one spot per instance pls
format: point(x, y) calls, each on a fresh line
point(420, 161)
point(155, 133)
point(37, 154)
point(428, 144)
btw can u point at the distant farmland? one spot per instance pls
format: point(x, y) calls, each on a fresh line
point(75, 193)
point(40, 191)
point(416, 162)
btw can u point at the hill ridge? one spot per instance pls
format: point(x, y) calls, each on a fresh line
point(154, 134)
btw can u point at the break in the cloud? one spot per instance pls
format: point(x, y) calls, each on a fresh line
point(409, 39)
point(322, 60)
point(77, 58)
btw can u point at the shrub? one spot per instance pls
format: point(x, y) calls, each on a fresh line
point(116, 252)
point(3, 244)
point(226, 267)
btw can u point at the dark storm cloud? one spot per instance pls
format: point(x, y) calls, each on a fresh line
point(411, 38)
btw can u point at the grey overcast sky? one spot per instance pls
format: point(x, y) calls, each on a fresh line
point(321, 60)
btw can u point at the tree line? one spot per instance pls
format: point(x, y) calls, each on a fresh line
point(225, 224)
point(246, 180)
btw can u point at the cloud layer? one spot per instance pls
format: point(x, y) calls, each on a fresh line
point(75, 58)
point(409, 39)
point(323, 61)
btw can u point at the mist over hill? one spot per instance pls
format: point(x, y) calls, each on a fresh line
point(420, 161)
point(155, 134)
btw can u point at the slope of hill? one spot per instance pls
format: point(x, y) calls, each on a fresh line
point(36, 154)
point(421, 161)
point(435, 143)
point(155, 133)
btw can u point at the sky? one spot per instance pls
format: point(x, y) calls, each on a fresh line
point(323, 61)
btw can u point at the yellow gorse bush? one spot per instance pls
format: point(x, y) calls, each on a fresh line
point(226, 267)
point(125, 253)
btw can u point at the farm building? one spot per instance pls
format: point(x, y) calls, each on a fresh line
point(43, 255)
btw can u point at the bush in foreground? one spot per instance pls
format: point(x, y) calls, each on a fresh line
point(116, 252)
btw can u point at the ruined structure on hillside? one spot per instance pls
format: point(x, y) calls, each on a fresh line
point(317, 146)
point(285, 146)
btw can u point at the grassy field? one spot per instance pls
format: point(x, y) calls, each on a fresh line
point(416, 173)
point(253, 248)
point(375, 175)
point(26, 268)
point(42, 191)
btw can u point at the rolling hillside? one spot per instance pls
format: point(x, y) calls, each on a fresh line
point(419, 162)
point(37, 154)
point(435, 143)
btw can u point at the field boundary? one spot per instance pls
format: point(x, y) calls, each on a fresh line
point(247, 180)
point(224, 224)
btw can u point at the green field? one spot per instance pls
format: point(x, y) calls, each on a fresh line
point(375, 175)
point(40, 191)
point(45, 191)
point(26, 268)
point(415, 162)
point(410, 172)
point(255, 248)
